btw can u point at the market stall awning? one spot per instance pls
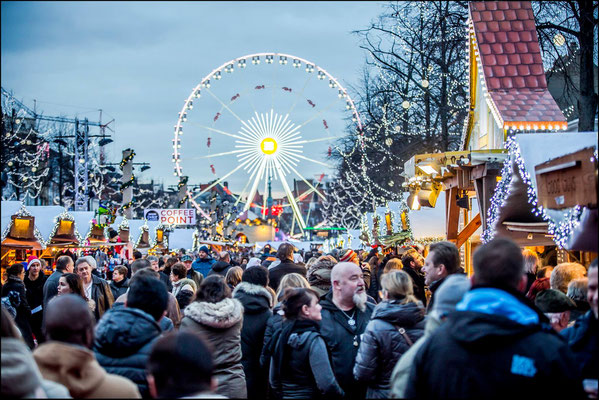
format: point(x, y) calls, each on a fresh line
point(24, 244)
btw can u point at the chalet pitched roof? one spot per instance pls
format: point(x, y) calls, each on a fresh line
point(512, 67)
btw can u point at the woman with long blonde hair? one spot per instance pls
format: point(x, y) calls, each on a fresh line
point(396, 323)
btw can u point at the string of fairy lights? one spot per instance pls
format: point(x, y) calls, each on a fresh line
point(514, 164)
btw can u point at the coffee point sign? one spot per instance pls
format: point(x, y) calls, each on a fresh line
point(171, 216)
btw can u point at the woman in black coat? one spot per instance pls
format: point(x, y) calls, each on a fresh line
point(257, 302)
point(15, 290)
point(396, 323)
point(300, 366)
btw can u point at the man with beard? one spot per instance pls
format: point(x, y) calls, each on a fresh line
point(345, 314)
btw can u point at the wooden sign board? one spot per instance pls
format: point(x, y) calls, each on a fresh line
point(568, 181)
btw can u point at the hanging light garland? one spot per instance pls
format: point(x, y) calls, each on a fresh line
point(561, 230)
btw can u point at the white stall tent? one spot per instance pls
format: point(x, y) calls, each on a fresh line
point(83, 222)
point(9, 208)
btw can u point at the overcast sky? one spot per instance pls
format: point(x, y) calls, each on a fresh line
point(138, 61)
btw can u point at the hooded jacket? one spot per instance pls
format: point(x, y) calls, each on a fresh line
point(124, 339)
point(301, 369)
point(76, 368)
point(499, 345)
point(21, 377)
point(220, 323)
point(256, 301)
point(342, 341)
point(274, 323)
point(382, 344)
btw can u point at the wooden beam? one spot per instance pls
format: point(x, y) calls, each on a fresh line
point(485, 187)
point(452, 214)
point(468, 230)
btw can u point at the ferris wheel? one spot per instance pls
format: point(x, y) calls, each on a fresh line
point(260, 121)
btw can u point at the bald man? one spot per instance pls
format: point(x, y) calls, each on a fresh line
point(345, 314)
point(66, 357)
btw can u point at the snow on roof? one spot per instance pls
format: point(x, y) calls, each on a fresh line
point(541, 147)
point(83, 222)
point(181, 238)
point(9, 208)
point(44, 218)
point(134, 229)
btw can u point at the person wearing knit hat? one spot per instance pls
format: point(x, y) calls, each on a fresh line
point(203, 264)
point(556, 306)
point(450, 293)
point(349, 256)
point(319, 274)
point(34, 283)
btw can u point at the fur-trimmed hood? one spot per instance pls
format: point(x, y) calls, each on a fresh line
point(223, 314)
point(254, 291)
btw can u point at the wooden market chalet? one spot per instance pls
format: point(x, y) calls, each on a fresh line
point(508, 96)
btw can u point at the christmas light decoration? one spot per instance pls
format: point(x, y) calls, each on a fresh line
point(561, 231)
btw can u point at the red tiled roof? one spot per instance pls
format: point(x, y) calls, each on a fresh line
point(511, 59)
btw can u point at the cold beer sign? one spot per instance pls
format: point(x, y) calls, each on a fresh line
point(171, 216)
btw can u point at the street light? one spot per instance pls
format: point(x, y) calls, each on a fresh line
point(105, 141)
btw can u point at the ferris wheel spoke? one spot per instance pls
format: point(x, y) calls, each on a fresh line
point(313, 160)
point(323, 139)
point(223, 104)
point(289, 194)
point(220, 179)
point(251, 133)
point(252, 193)
point(219, 131)
point(306, 182)
point(328, 107)
point(299, 95)
point(219, 154)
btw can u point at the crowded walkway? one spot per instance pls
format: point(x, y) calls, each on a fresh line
point(349, 324)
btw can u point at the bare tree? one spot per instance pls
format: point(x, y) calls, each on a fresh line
point(568, 38)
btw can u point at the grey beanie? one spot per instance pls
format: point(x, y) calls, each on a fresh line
point(450, 293)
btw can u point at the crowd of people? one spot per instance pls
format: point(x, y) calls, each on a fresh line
point(284, 324)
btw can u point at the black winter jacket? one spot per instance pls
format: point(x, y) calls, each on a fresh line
point(119, 288)
point(220, 267)
point(124, 339)
point(256, 301)
point(18, 299)
point(418, 283)
point(478, 355)
point(285, 267)
point(102, 296)
point(274, 323)
point(342, 341)
point(306, 371)
point(382, 345)
point(51, 287)
point(582, 339)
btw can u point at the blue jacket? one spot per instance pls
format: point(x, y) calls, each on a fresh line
point(124, 339)
point(203, 266)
